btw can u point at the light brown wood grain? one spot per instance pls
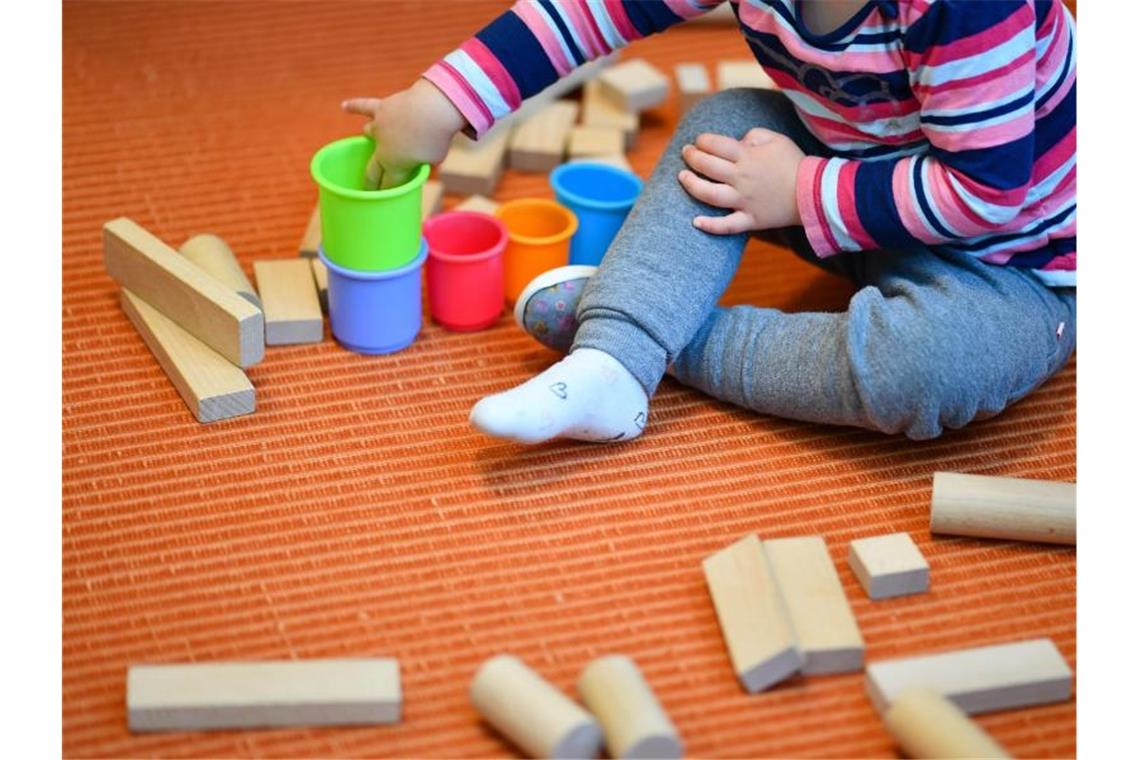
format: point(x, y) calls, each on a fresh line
point(889, 566)
point(215, 257)
point(743, 73)
point(926, 724)
point(598, 110)
point(311, 239)
point(635, 85)
point(1011, 508)
point(633, 721)
point(292, 306)
point(595, 141)
point(474, 168)
point(692, 85)
point(539, 142)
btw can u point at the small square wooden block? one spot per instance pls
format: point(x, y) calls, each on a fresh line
point(889, 566)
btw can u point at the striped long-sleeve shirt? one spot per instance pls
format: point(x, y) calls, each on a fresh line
point(953, 124)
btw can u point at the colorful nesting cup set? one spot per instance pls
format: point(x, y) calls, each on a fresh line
point(539, 233)
point(372, 244)
point(465, 269)
point(600, 197)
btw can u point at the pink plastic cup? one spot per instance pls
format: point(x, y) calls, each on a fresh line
point(465, 269)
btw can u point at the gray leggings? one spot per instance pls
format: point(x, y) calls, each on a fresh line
point(929, 341)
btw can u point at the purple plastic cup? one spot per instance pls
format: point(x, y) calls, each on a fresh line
point(376, 312)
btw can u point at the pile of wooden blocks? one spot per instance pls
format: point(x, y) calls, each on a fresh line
point(693, 83)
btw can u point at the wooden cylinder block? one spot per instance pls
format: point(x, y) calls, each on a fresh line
point(531, 712)
point(926, 724)
point(634, 724)
point(213, 256)
point(1012, 508)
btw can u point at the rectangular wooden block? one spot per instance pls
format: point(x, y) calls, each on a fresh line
point(539, 143)
point(311, 240)
point(600, 111)
point(742, 74)
point(595, 141)
point(753, 618)
point(477, 203)
point(692, 84)
point(226, 695)
point(889, 566)
point(1011, 508)
point(635, 84)
point(211, 386)
point(978, 680)
point(474, 168)
point(432, 197)
point(822, 622)
point(292, 306)
point(321, 280)
point(172, 284)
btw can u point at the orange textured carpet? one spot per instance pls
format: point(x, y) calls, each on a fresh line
point(356, 513)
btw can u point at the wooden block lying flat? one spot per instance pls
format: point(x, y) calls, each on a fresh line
point(926, 724)
point(742, 74)
point(204, 696)
point(752, 615)
point(1013, 508)
point(692, 84)
point(292, 306)
point(633, 721)
point(978, 680)
point(539, 143)
point(474, 168)
point(599, 111)
point(311, 240)
point(477, 203)
point(432, 198)
point(616, 159)
point(211, 386)
point(889, 566)
point(321, 280)
point(212, 254)
point(822, 622)
point(595, 141)
point(635, 84)
point(169, 282)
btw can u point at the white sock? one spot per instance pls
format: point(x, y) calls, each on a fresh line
point(588, 396)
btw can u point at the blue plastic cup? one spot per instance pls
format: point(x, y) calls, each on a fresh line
point(601, 197)
point(376, 312)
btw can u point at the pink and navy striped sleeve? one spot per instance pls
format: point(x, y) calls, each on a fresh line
point(537, 42)
point(972, 68)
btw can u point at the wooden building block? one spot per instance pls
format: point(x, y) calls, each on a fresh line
point(321, 280)
point(978, 680)
point(692, 84)
point(926, 724)
point(595, 141)
point(474, 167)
point(311, 240)
point(211, 386)
point(1012, 508)
point(212, 254)
point(292, 307)
point(742, 74)
point(477, 203)
point(752, 615)
point(432, 197)
point(539, 143)
point(633, 721)
point(822, 622)
point(889, 566)
point(531, 712)
point(599, 111)
point(616, 159)
point(204, 307)
point(206, 696)
point(635, 84)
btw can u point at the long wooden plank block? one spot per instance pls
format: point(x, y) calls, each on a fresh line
point(292, 305)
point(311, 240)
point(169, 282)
point(822, 622)
point(203, 696)
point(1012, 508)
point(321, 280)
point(752, 615)
point(978, 680)
point(539, 143)
point(474, 168)
point(212, 387)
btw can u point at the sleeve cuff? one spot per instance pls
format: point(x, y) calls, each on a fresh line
point(809, 181)
point(462, 97)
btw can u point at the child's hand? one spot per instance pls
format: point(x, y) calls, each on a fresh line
point(412, 127)
point(754, 177)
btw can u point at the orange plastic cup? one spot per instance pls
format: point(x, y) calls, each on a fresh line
point(539, 233)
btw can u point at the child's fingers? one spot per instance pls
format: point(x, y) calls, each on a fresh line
point(719, 145)
point(730, 224)
point(367, 128)
point(712, 193)
point(707, 164)
point(361, 106)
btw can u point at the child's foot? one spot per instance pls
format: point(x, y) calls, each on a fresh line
point(547, 306)
point(588, 396)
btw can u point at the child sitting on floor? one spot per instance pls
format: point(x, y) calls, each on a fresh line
point(926, 150)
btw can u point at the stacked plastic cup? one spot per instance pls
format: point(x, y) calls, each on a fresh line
point(372, 243)
point(601, 197)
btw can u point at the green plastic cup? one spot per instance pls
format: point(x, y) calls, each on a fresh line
point(366, 230)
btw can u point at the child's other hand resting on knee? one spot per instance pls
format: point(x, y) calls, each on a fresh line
point(411, 127)
point(755, 178)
